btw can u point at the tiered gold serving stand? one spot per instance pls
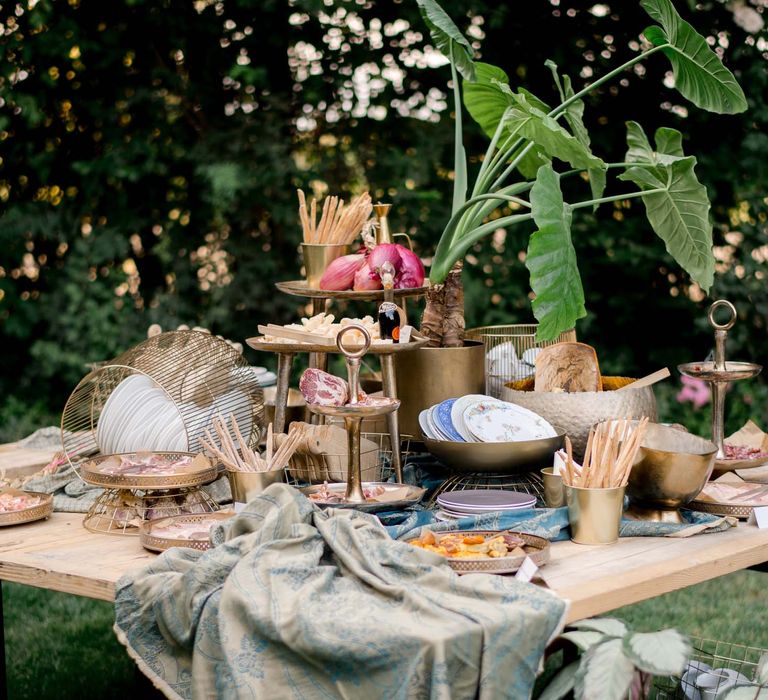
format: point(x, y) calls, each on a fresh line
point(719, 373)
point(353, 414)
point(318, 354)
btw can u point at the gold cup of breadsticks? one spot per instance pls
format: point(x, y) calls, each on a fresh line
point(594, 491)
point(333, 235)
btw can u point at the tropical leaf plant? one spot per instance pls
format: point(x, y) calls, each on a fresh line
point(532, 140)
point(616, 663)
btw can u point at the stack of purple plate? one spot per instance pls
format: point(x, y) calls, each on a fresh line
point(462, 504)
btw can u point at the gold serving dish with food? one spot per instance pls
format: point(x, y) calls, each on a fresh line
point(495, 457)
point(18, 507)
point(192, 531)
point(484, 551)
point(671, 468)
point(149, 470)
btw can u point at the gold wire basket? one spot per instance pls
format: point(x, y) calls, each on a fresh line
point(161, 395)
point(717, 655)
point(506, 352)
point(123, 511)
point(375, 462)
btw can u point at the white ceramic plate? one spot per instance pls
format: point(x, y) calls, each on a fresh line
point(135, 417)
point(426, 428)
point(109, 420)
point(457, 414)
point(496, 421)
point(437, 429)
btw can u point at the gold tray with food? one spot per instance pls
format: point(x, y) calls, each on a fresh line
point(18, 506)
point(485, 551)
point(735, 498)
point(149, 470)
point(191, 531)
point(300, 288)
point(319, 333)
point(747, 448)
point(379, 496)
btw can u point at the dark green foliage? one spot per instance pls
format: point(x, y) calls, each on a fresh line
point(152, 168)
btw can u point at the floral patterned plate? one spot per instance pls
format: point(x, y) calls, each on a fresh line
point(497, 421)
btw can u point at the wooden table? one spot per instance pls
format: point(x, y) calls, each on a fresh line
point(61, 555)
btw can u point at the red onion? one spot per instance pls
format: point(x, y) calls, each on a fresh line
point(365, 278)
point(411, 272)
point(340, 274)
point(385, 252)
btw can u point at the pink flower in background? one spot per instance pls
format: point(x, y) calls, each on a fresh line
point(694, 390)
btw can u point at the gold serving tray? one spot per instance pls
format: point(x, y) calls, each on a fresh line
point(27, 515)
point(538, 546)
point(300, 288)
point(731, 465)
point(199, 472)
point(739, 509)
point(412, 496)
point(377, 348)
point(160, 544)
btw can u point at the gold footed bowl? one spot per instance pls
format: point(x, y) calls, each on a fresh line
point(670, 470)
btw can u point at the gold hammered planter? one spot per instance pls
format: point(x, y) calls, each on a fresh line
point(429, 375)
point(577, 412)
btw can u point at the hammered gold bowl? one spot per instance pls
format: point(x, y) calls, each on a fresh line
point(670, 470)
point(495, 457)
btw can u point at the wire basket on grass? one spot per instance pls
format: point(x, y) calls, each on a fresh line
point(508, 354)
point(720, 661)
point(375, 462)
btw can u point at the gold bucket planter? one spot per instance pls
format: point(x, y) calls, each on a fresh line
point(317, 257)
point(429, 375)
point(595, 514)
point(247, 485)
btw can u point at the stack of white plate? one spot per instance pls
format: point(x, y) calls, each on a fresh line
point(462, 504)
point(264, 377)
point(139, 415)
point(479, 418)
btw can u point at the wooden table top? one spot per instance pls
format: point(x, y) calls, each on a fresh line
point(61, 555)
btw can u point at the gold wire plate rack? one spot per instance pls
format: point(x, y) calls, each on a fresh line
point(122, 511)
point(377, 348)
point(537, 548)
point(299, 288)
point(197, 473)
point(157, 543)
point(30, 514)
point(411, 496)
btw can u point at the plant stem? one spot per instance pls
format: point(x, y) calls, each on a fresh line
point(604, 78)
point(489, 155)
point(458, 146)
point(617, 197)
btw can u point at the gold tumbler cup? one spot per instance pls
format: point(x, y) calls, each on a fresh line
point(247, 485)
point(317, 257)
point(595, 514)
point(554, 489)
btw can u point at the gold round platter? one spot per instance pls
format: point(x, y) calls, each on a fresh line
point(537, 548)
point(160, 544)
point(200, 471)
point(731, 465)
point(27, 515)
point(410, 496)
point(736, 510)
point(300, 288)
point(376, 348)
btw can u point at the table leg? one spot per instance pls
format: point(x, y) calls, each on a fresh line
point(389, 385)
point(284, 362)
point(3, 671)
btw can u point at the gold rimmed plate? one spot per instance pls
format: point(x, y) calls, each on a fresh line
point(302, 289)
point(164, 533)
point(103, 471)
point(395, 496)
point(41, 508)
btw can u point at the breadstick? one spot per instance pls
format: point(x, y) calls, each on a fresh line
point(312, 233)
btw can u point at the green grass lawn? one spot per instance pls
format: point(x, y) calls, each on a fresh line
point(62, 646)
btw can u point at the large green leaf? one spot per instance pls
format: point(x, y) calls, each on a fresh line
point(679, 214)
point(484, 99)
point(608, 626)
point(551, 259)
point(583, 639)
point(530, 122)
point(699, 74)
point(669, 145)
point(663, 653)
point(448, 38)
point(605, 672)
point(562, 684)
point(574, 115)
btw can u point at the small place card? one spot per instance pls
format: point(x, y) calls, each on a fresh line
point(405, 334)
point(759, 517)
point(527, 570)
point(239, 507)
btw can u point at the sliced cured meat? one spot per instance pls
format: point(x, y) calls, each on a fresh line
point(323, 389)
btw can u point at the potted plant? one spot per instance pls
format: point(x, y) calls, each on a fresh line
point(528, 137)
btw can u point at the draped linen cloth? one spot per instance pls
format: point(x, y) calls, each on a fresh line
point(298, 602)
